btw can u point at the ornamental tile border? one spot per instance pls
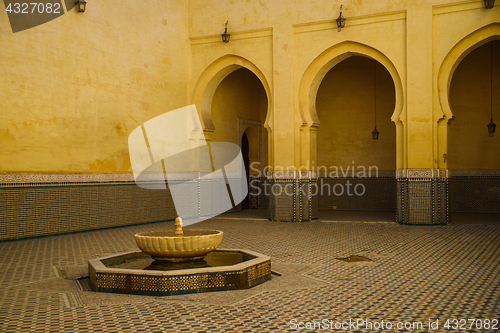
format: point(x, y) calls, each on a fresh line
point(39, 179)
point(422, 173)
point(323, 174)
point(62, 177)
point(475, 173)
point(30, 178)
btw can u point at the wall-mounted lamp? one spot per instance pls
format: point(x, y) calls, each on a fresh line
point(81, 5)
point(340, 20)
point(375, 132)
point(225, 35)
point(491, 125)
point(488, 4)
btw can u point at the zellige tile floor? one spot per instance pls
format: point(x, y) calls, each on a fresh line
point(417, 274)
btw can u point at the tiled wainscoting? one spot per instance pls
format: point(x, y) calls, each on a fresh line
point(292, 200)
point(290, 196)
point(39, 205)
point(33, 205)
point(39, 209)
point(474, 194)
point(422, 201)
point(376, 194)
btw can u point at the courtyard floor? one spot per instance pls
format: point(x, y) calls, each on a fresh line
point(417, 274)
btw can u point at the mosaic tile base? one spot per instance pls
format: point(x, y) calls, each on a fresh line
point(422, 201)
point(242, 276)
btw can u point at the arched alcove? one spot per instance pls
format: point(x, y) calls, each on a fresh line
point(474, 155)
point(345, 105)
point(471, 94)
point(354, 96)
point(239, 109)
point(314, 75)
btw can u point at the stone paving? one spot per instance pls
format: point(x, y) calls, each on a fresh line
point(417, 274)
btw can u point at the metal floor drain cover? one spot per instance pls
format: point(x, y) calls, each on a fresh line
point(354, 259)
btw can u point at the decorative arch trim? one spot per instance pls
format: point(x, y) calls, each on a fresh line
point(213, 75)
point(450, 63)
point(319, 67)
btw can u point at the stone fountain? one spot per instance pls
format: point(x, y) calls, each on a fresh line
point(177, 262)
point(177, 245)
point(170, 151)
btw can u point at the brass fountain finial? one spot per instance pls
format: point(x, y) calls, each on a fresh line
point(178, 227)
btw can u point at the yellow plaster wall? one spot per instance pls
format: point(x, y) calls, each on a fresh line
point(71, 90)
point(469, 146)
point(345, 106)
point(239, 95)
point(414, 35)
point(301, 31)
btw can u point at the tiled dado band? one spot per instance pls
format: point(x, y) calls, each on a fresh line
point(427, 196)
point(474, 191)
point(299, 195)
point(33, 205)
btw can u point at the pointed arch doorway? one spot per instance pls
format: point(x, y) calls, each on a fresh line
point(354, 97)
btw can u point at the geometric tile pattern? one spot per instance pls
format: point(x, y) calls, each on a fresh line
point(254, 196)
point(292, 200)
point(38, 211)
point(422, 201)
point(379, 194)
point(181, 284)
point(417, 274)
point(50, 209)
point(265, 187)
point(308, 206)
point(314, 200)
point(259, 186)
point(43, 210)
point(474, 194)
point(283, 200)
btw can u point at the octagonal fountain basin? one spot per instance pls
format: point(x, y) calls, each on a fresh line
point(137, 273)
point(193, 245)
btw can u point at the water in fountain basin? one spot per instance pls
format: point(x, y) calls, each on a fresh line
point(144, 261)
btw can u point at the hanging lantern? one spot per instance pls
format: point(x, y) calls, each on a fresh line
point(491, 125)
point(491, 128)
point(375, 133)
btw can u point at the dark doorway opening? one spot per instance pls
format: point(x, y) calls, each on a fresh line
point(245, 150)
